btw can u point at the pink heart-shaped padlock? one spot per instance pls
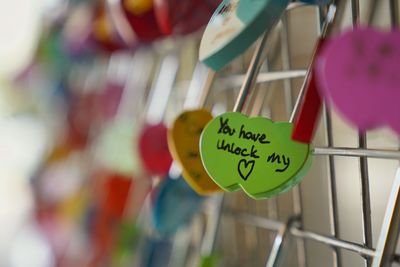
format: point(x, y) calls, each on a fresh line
point(358, 72)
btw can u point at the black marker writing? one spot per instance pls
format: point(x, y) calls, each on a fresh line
point(232, 148)
point(253, 136)
point(277, 158)
point(224, 127)
point(245, 168)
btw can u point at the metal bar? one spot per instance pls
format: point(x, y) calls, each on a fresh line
point(161, 90)
point(373, 6)
point(277, 254)
point(263, 77)
point(364, 177)
point(332, 193)
point(390, 227)
point(288, 90)
point(206, 88)
point(355, 152)
point(199, 87)
point(251, 74)
point(257, 221)
point(365, 196)
point(355, 12)
point(213, 222)
point(394, 13)
point(275, 225)
point(334, 242)
point(334, 14)
point(333, 201)
point(286, 64)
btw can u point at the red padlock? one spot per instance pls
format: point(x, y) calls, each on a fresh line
point(140, 15)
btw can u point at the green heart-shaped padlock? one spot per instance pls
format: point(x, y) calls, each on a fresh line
point(254, 154)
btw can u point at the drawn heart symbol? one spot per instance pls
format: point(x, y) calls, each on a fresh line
point(235, 25)
point(254, 154)
point(183, 141)
point(245, 168)
point(358, 72)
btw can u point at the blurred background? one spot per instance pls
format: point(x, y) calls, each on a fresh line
point(78, 89)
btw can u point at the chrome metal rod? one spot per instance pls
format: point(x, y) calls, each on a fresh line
point(394, 13)
point(364, 176)
point(355, 12)
point(334, 15)
point(251, 74)
point(355, 152)
point(263, 77)
point(274, 225)
point(333, 201)
point(372, 8)
point(199, 87)
point(213, 223)
point(277, 253)
point(162, 88)
point(365, 197)
point(287, 85)
point(206, 88)
point(286, 64)
point(257, 221)
point(390, 228)
point(334, 242)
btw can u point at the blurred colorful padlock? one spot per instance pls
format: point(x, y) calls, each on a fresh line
point(181, 17)
point(153, 147)
point(358, 75)
point(141, 16)
point(175, 204)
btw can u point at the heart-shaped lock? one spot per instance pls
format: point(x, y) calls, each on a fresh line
point(175, 204)
point(183, 140)
point(358, 74)
point(183, 17)
point(254, 154)
point(235, 25)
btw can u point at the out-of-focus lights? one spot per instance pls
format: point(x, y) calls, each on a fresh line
point(16, 204)
point(64, 178)
point(23, 142)
point(30, 249)
point(19, 31)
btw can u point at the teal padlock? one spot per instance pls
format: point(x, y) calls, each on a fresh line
point(234, 27)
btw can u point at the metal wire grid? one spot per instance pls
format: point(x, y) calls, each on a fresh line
point(278, 232)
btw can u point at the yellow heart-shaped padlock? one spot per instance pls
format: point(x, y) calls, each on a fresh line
point(183, 142)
